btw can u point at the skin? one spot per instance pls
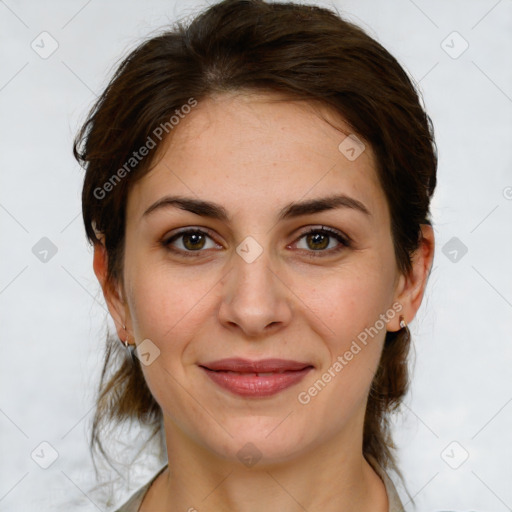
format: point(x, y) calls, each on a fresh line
point(254, 155)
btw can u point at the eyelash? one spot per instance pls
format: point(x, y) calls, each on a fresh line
point(345, 242)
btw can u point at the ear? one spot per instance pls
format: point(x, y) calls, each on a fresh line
point(410, 289)
point(113, 295)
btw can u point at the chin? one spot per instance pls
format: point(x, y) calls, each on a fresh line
point(253, 445)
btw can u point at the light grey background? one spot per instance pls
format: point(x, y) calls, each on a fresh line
point(52, 314)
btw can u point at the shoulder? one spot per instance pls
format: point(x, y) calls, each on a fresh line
point(135, 500)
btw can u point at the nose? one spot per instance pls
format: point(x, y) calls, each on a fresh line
point(254, 300)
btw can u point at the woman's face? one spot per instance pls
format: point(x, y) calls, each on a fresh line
point(250, 282)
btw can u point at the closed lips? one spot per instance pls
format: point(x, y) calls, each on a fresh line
point(256, 379)
point(261, 367)
point(258, 374)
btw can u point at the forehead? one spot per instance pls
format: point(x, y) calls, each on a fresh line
point(262, 148)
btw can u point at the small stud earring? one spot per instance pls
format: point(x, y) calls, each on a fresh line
point(403, 324)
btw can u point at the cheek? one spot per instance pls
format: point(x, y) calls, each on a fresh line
point(165, 303)
point(164, 308)
point(345, 312)
point(348, 301)
point(346, 308)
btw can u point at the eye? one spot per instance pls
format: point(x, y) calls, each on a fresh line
point(189, 241)
point(323, 241)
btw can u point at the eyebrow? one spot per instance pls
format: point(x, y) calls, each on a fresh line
point(216, 211)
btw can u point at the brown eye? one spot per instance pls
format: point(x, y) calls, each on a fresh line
point(317, 241)
point(323, 241)
point(189, 241)
point(193, 241)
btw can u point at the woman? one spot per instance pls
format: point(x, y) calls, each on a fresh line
point(257, 191)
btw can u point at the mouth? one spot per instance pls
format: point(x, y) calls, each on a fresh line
point(256, 379)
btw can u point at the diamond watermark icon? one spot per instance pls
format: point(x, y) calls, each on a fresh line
point(249, 455)
point(45, 45)
point(44, 455)
point(454, 249)
point(44, 250)
point(455, 455)
point(351, 147)
point(147, 352)
point(454, 45)
point(249, 249)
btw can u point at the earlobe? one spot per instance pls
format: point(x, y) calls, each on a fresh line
point(412, 287)
point(114, 303)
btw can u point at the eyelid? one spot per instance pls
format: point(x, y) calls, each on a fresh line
point(332, 231)
point(344, 240)
point(168, 239)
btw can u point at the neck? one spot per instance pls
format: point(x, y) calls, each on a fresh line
point(331, 477)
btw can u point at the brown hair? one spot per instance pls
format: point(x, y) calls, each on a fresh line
point(303, 52)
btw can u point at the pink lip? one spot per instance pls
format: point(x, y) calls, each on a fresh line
point(240, 376)
point(247, 366)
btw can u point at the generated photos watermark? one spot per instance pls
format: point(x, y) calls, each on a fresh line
point(304, 397)
point(136, 157)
